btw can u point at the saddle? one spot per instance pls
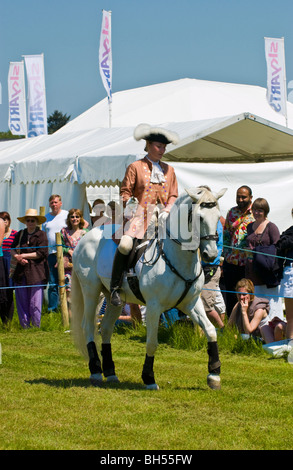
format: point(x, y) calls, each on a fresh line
point(138, 249)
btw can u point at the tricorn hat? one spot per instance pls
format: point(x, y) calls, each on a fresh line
point(32, 213)
point(155, 134)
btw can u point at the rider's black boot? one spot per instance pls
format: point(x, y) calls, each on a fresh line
point(119, 266)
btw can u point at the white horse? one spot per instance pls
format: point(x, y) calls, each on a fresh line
point(169, 274)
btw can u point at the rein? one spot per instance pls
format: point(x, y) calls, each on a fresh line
point(205, 237)
point(188, 282)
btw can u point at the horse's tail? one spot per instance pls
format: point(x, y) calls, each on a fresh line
point(77, 311)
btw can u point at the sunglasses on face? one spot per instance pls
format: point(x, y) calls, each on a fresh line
point(31, 220)
point(74, 217)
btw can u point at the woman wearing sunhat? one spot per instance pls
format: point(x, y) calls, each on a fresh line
point(152, 183)
point(31, 273)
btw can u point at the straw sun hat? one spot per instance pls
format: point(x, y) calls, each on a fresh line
point(32, 213)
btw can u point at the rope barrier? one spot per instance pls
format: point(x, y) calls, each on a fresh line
point(216, 290)
point(238, 292)
point(251, 251)
point(204, 288)
point(233, 248)
point(30, 247)
point(58, 251)
point(32, 285)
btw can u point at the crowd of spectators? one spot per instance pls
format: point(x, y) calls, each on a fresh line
point(238, 291)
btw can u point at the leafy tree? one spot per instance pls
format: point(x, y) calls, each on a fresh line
point(56, 120)
point(9, 136)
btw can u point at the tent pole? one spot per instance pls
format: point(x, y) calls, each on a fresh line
point(285, 85)
point(110, 115)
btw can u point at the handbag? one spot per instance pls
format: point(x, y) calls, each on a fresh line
point(264, 257)
point(13, 262)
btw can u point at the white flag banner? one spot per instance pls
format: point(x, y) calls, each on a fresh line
point(37, 108)
point(105, 54)
point(276, 74)
point(17, 121)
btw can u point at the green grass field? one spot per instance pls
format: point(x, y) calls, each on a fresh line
point(47, 402)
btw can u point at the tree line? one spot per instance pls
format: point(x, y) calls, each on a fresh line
point(55, 121)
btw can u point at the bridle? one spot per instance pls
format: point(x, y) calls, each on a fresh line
point(214, 237)
point(161, 252)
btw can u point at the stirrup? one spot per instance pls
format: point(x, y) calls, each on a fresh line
point(115, 298)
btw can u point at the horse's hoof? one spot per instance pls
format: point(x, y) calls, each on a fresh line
point(112, 378)
point(96, 379)
point(214, 381)
point(152, 387)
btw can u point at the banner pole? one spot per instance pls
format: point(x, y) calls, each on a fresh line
point(285, 84)
point(44, 91)
point(24, 101)
point(110, 97)
point(110, 114)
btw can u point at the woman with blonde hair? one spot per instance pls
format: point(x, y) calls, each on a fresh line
point(70, 236)
point(251, 314)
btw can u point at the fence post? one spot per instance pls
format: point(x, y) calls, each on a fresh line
point(61, 277)
point(42, 212)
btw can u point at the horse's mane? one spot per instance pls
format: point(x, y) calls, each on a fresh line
point(183, 198)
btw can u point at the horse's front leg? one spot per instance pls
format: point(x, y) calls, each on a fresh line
point(152, 323)
point(198, 315)
point(107, 328)
point(94, 364)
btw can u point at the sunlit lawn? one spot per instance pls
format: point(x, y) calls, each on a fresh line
point(47, 401)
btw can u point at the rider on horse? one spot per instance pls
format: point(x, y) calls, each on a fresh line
point(152, 183)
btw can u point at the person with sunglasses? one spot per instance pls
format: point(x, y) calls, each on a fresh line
point(70, 236)
point(30, 249)
point(6, 295)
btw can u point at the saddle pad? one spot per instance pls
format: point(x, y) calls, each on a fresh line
point(104, 268)
point(142, 259)
point(107, 253)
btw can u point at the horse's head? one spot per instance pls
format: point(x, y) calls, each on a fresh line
point(206, 210)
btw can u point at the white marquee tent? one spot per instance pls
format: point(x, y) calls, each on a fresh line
point(229, 136)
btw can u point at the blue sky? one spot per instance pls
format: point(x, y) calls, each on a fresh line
point(153, 41)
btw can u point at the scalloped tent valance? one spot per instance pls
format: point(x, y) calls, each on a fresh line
point(218, 123)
